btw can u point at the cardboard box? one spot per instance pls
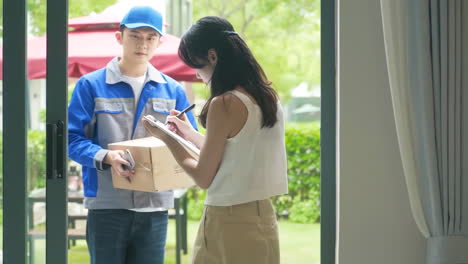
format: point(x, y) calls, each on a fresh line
point(155, 167)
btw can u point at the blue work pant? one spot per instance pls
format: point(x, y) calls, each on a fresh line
point(118, 236)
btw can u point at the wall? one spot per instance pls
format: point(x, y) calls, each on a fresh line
point(465, 98)
point(375, 224)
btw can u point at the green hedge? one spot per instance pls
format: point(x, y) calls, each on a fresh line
point(302, 203)
point(36, 160)
point(303, 150)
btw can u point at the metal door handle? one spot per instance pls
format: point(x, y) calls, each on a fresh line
point(54, 150)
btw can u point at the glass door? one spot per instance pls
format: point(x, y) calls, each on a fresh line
point(34, 138)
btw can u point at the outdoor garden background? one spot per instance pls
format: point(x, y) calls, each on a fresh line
point(284, 35)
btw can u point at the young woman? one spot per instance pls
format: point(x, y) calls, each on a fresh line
point(242, 162)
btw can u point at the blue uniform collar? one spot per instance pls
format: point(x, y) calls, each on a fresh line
point(113, 74)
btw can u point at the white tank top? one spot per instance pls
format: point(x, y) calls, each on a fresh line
point(254, 163)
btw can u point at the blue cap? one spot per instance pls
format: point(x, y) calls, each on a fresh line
point(143, 16)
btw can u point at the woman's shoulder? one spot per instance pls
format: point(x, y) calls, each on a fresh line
point(227, 96)
point(228, 104)
point(231, 100)
point(221, 103)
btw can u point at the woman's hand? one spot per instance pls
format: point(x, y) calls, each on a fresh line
point(154, 131)
point(180, 125)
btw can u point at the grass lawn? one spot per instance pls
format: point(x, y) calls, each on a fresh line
point(300, 244)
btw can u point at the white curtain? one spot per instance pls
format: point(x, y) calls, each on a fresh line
point(424, 59)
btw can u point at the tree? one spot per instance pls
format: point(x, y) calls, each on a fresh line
point(284, 35)
point(37, 12)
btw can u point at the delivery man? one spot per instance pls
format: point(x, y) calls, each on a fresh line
point(123, 226)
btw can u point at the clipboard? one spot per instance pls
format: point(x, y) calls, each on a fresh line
point(162, 126)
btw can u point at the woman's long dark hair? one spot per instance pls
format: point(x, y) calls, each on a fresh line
point(236, 66)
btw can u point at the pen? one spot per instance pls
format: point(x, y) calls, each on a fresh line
point(184, 111)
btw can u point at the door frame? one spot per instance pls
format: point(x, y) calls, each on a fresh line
point(57, 118)
point(15, 125)
point(14, 132)
point(328, 132)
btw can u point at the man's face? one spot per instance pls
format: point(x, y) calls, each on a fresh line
point(138, 44)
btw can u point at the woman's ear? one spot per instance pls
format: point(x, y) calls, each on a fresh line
point(212, 56)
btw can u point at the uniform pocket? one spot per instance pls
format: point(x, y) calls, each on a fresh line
point(114, 118)
point(108, 107)
point(161, 105)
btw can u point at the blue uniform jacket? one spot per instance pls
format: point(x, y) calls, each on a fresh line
point(102, 110)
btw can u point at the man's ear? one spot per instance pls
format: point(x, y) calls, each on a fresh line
point(159, 41)
point(118, 37)
point(212, 56)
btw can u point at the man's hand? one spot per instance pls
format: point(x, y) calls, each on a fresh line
point(116, 159)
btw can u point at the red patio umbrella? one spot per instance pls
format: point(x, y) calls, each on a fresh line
point(92, 44)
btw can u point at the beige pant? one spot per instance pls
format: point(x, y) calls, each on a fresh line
point(239, 234)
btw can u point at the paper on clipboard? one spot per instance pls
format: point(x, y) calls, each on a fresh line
point(178, 138)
